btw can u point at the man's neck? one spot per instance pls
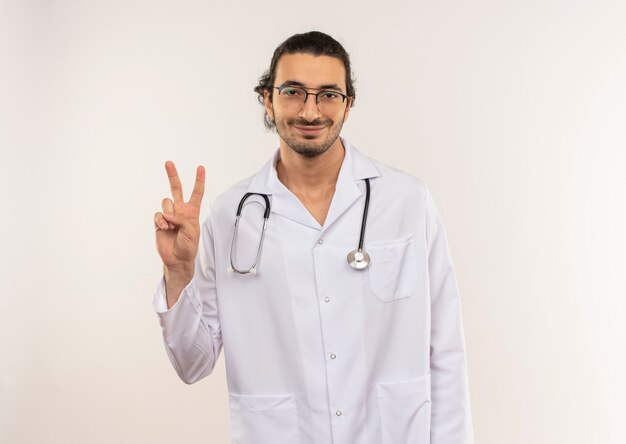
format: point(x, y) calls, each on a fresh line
point(310, 176)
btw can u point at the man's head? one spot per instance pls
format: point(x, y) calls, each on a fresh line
point(307, 92)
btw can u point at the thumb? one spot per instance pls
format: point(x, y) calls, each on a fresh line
point(174, 218)
point(173, 213)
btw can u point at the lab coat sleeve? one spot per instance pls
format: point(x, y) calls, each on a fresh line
point(451, 421)
point(191, 327)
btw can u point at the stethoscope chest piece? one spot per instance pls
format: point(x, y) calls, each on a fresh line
point(358, 259)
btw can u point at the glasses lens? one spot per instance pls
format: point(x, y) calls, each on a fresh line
point(292, 98)
point(329, 101)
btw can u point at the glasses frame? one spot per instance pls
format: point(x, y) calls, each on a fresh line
point(307, 93)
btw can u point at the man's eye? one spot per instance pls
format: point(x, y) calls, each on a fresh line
point(292, 92)
point(329, 95)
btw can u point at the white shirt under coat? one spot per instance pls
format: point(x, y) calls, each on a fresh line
point(317, 352)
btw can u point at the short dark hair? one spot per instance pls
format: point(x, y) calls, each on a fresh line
point(315, 43)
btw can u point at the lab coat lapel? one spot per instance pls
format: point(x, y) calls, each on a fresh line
point(355, 167)
point(283, 201)
point(346, 192)
point(286, 204)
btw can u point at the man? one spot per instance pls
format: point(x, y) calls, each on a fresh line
point(317, 351)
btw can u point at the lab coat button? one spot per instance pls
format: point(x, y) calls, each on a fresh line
point(338, 413)
point(326, 299)
point(321, 241)
point(333, 356)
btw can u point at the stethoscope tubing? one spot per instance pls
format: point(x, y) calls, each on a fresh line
point(365, 213)
point(233, 239)
point(358, 259)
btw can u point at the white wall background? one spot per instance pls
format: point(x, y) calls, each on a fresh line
point(512, 111)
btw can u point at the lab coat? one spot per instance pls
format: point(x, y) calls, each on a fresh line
point(317, 352)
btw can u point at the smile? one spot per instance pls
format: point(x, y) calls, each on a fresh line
point(310, 130)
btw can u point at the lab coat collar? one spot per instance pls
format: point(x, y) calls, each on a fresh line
point(356, 166)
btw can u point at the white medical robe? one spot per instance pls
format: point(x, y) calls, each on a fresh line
point(317, 352)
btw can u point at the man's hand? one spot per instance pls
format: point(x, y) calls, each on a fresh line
point(178, 232)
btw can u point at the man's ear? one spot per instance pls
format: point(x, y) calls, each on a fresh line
point(346, 113)
point(269, 107)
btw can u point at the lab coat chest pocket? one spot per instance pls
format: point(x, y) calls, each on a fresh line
point(269, 419)
point(392, 269)
point(405, 411)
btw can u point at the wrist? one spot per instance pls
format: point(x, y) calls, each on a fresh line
point(176, 279)
point(180, 275)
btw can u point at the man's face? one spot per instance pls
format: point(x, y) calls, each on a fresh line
point(304, 128)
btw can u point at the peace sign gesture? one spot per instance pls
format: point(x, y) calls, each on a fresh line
point(178, 227)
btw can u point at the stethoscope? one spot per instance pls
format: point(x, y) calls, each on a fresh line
point(358, 259)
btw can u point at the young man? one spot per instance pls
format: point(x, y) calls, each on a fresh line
point(341, 322)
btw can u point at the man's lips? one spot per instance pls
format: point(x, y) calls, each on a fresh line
point(309, 130)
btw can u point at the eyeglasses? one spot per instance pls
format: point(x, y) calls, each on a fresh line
point(327, 100)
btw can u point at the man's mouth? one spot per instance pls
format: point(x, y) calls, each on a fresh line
point(309, 130)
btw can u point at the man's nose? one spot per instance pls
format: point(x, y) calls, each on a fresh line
point(310, 111)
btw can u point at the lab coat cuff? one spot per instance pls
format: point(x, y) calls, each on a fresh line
point(159, 301)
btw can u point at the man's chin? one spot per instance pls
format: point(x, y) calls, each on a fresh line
point(308, 149)
point(309, 145)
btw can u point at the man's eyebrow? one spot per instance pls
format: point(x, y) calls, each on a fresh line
point(302, 85)
point(331, 86)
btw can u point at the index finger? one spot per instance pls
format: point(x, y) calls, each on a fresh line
point(198, 188)
point(175, 186)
